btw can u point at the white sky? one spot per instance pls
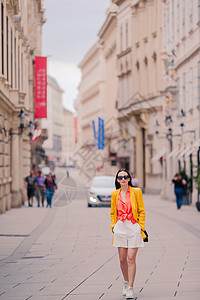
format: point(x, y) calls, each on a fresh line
point(70, 31)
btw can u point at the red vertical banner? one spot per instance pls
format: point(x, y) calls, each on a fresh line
point(40, 87)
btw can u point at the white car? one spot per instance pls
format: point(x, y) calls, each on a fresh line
point(99, 191)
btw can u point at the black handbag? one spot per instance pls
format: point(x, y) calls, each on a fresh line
point(146, 239)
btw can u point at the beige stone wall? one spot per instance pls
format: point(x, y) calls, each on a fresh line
point(16, 92)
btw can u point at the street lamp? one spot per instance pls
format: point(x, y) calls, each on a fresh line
point(168, 135)
point(22, 121)
point(188, 131)
point(31, 127)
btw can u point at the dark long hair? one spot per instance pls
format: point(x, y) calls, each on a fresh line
point(117, 184)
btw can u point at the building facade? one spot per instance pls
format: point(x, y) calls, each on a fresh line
point(181, 57)
point(156, 61)
point(90, 107)
point(68, 139)
point(19, 44)
point(97, 101)
point(53, 124)
point(139, 102)
point(107, 38)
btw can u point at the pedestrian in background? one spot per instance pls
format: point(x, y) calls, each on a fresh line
point(30, 183)
point(135, 181)
point(128, 225)
point(179, 185)
point(40, 179)
point(49, 188)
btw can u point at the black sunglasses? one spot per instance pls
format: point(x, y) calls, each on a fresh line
point(121, 177)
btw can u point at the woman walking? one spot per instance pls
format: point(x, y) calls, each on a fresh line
point(128, 225)
point(49, 187)
point(179, 184)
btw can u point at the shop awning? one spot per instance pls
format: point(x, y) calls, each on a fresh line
point(187, 149)
point(171, 154)
point(158, 155)
point(180, 152)
point(197, 145)
point(194, 148)
point(176, 152)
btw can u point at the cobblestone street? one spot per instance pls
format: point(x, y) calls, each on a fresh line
point(66, 253)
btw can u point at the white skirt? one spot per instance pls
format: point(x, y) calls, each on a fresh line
point(127, 235)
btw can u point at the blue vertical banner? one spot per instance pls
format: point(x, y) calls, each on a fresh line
point(101, 139)
point(95, 134)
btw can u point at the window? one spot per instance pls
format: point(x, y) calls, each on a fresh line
point(184, 93)
point(178, 21)
point(2, 39)
point(168, 28)
point(155, 12)
point(7, 45)
point(11, 56)
point(18, 68)
point(22, 72)
point(199, 83)
point(57, 143)
point(178, 94)
point(191, 13)
point(127, 34)
point(183, 19)
point(138, 53)
point(199, 10)
point(173, 22)
point(190, 90)
point(164, 30)
point(121, 38)
point(15, 62)
point(146, 48)
point(20, 5)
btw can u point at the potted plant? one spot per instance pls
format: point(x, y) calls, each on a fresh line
point(197, 182)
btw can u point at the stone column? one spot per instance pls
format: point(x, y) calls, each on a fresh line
point(15, 171)
point(16, 153)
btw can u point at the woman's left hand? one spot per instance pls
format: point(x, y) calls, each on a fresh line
point(184, 181)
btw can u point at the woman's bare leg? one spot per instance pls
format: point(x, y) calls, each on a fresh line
point(131, 262)
point(123, 262)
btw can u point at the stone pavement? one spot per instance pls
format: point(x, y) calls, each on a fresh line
point(66, 253)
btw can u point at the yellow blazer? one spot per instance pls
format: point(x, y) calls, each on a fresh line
point(137, 205)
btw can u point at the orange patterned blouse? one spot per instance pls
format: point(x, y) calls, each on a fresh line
point(124, 210)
